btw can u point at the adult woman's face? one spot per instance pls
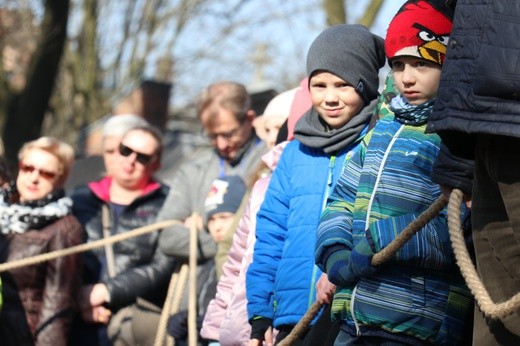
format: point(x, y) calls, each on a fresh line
point(37, 174)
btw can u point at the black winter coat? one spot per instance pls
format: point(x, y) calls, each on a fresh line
point(479, 90)
point(142, 270)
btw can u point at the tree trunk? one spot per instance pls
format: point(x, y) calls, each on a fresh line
point(25, 110)
point(371, 13)
point(335, 12)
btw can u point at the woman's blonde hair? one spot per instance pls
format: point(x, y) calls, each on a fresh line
point(61, 150)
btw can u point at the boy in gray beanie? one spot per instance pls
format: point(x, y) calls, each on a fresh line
point(352, 53)
point(342, 65)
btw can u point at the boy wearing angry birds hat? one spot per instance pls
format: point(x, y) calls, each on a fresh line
point(418, 297)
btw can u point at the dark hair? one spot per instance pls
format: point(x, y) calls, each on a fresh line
point(5, 174)
point(283, 133)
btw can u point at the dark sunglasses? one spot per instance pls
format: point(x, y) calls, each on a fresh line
point(42, 172)
point(143, 159)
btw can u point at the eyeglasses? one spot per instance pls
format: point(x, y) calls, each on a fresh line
point(143, 159)
point(225, 135)
point(41, 172)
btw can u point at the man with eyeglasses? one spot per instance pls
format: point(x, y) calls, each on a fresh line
point(132, 198)
point(224, 110)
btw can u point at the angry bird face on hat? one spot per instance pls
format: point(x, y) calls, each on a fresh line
point(421, 30)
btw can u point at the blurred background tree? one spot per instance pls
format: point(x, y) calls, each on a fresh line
point(66, 63)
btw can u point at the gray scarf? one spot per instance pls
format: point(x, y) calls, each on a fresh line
point(313, 132)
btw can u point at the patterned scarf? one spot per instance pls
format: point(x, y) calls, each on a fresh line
point(408, 114)
point(23, 216)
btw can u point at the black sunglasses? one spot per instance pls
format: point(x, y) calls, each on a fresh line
point(143, 159)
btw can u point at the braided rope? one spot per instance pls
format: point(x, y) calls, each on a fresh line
point(389, 251)
point(192, 296)
point(88, 246)
point(171, 305)
point(482, 297)
point(379, 258)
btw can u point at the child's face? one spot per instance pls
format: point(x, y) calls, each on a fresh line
point(416, 79)
point(335, 100)
point(272, 126)
point(218, 225)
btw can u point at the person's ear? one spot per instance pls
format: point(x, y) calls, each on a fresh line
point(155, 166)
point(250, 115)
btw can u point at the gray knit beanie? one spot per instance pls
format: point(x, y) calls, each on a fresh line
point(352, 53)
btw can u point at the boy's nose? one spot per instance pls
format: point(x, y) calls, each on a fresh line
point(331, 95)
point(408, 75)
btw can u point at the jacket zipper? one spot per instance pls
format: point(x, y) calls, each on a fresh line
point(379, 173)
point(369, 208)
point(352, 313)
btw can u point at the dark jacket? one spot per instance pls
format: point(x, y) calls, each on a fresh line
point(453, 171)
point(141, 269)
point(39, 300)
point(479, 91)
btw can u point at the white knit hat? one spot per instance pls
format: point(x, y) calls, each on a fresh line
point(279, 106)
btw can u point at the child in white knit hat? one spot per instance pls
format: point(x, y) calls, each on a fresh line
point(277, 111)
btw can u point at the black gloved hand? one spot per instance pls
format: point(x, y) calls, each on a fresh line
point(178, 325)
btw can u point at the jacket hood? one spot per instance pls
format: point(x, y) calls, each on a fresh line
point(272, 157)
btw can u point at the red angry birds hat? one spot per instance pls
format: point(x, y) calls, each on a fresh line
point(420, 29)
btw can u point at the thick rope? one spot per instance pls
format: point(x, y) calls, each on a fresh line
point(379, 258)
point(389, 251)
point(302, 324)
point(482, 297)
point(174, 290)
point(109, 250)
point(160, 334)
point(175, 293)
point(86, 247)
point(177, 298)
point(171, 305)
point(192, 297)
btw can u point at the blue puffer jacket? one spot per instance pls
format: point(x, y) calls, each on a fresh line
point(286, 234)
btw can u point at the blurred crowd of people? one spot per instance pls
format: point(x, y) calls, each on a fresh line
point(290, 206)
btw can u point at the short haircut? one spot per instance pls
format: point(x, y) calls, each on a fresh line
point(61, 150)
point(118, 125)
point(229, 95)
point(154, 132)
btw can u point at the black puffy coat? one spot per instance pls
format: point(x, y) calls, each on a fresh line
point(479, 90)
point(142, 270)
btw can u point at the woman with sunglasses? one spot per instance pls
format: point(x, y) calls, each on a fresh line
point(36, 218)
point(132, 198)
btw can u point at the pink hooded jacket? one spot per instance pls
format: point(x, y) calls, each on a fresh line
point(226, 316)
